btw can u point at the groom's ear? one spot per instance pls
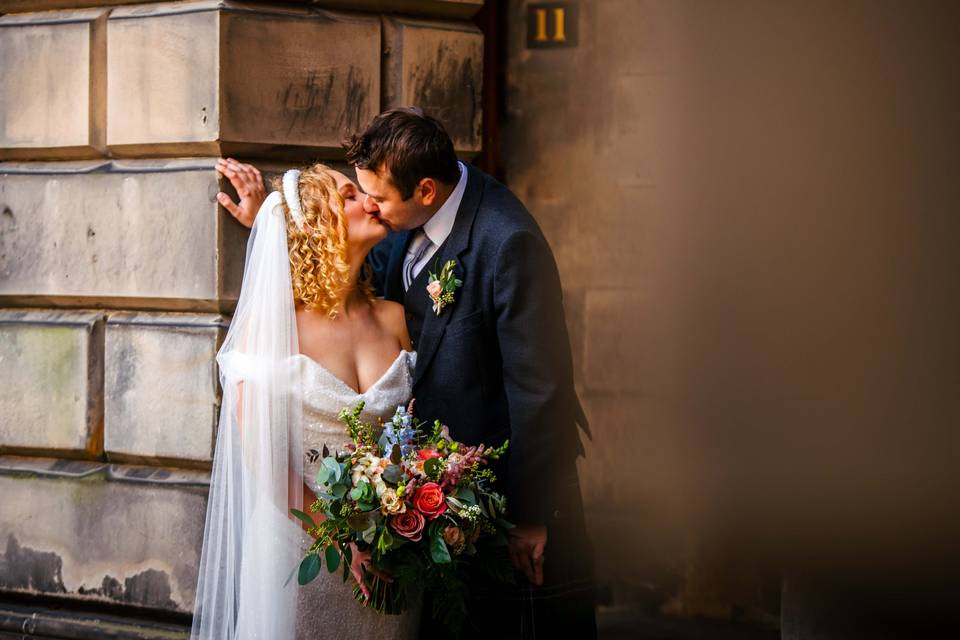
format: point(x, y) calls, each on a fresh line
point(427, 190)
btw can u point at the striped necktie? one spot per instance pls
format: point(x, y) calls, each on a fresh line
point(421, 242)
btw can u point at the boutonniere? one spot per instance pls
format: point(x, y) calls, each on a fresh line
point(443, 286)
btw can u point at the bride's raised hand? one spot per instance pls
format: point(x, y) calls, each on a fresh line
point(248, 182)
point(362, 562)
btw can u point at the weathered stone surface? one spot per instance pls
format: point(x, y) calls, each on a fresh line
point(619, 326)
point(461, 9)
point(56, 622)
point(97, 532)
point(219, 78)
point(52, 85)
point(437, 66)
point(161, 394)
point(51, 382)
point(19, 6)
point(140, 234)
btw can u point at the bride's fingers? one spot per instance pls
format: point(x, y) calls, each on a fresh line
point(228, 204)
point(358, 577)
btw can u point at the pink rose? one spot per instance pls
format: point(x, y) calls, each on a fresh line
point(435, 289)
point(408, 524)
point(430, 500)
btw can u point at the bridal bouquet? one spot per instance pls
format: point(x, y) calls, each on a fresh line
point(419, 502)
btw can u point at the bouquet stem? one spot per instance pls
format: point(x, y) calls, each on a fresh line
point(384, 596)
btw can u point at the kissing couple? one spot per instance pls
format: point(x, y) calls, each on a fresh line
point(340, 304)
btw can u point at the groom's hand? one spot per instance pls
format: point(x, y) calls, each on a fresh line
point(527, 542)
point(246, 179)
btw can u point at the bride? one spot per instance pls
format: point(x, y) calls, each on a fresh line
point(308, 339)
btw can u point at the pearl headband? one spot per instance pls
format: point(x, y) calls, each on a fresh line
point(291, 194)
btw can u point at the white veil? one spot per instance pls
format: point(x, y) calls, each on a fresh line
point(250, 543)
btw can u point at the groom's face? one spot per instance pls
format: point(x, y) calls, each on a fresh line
point(384, 200)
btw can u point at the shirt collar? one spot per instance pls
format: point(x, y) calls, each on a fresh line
point(440, 224)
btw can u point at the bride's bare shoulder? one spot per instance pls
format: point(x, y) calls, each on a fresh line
point(391, 317)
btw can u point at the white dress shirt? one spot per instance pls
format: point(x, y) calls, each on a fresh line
point(434, 232)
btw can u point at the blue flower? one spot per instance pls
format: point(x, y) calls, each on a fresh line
point(406, 450)
point(407, 435)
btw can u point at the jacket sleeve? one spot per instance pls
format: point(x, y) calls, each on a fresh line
point(538, 377)
point(378, 260)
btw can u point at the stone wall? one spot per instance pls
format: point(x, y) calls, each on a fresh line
point(118, 269)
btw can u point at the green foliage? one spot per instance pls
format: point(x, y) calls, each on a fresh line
point(304, 517)
point(433, 467)
point(309, 569)
point(332, 556)
point(392, 474)
point(438, 548)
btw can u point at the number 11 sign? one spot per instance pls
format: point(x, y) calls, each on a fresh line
point(551, 25)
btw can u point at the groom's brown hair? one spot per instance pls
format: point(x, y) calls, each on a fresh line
point(408, 143)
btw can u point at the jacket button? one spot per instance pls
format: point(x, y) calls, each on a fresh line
point(556, 514)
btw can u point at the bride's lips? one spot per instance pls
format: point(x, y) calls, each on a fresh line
point(376, 218)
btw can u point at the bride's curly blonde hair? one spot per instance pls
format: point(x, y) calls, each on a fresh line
point(318, 253)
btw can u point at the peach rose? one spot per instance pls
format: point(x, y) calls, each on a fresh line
point(435, 289)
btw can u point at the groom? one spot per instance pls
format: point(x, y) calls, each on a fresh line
point(493, 364)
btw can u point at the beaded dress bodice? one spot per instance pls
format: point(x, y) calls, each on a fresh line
point(325, 395)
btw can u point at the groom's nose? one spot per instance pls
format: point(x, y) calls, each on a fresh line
point(370, 205)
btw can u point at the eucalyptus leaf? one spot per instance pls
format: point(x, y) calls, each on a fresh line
point(358, 521)
point(392, 474)
point(438, 549)
point(333, 558)
point(334, 467)
point(309, 569)
point(361, 491)
point(323, 475)
point(305, 517)
point(467, 496)
point(293, 572)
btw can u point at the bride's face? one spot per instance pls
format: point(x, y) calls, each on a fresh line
point(364, 229)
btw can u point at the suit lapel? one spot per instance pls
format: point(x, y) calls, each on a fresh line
point(455, 245)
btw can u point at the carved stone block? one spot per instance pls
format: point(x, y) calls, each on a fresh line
point(51, 382)
point(219, 78)
point(52, 84)
point(101, 533)
point(134, 234)
point(437, 66)
point(161, 396)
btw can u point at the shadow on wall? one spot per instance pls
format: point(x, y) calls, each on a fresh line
point(753, 208)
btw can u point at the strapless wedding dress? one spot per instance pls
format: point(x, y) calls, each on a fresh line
point(326, 607)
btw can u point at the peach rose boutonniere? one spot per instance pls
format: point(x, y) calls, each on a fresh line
point(443, 286)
